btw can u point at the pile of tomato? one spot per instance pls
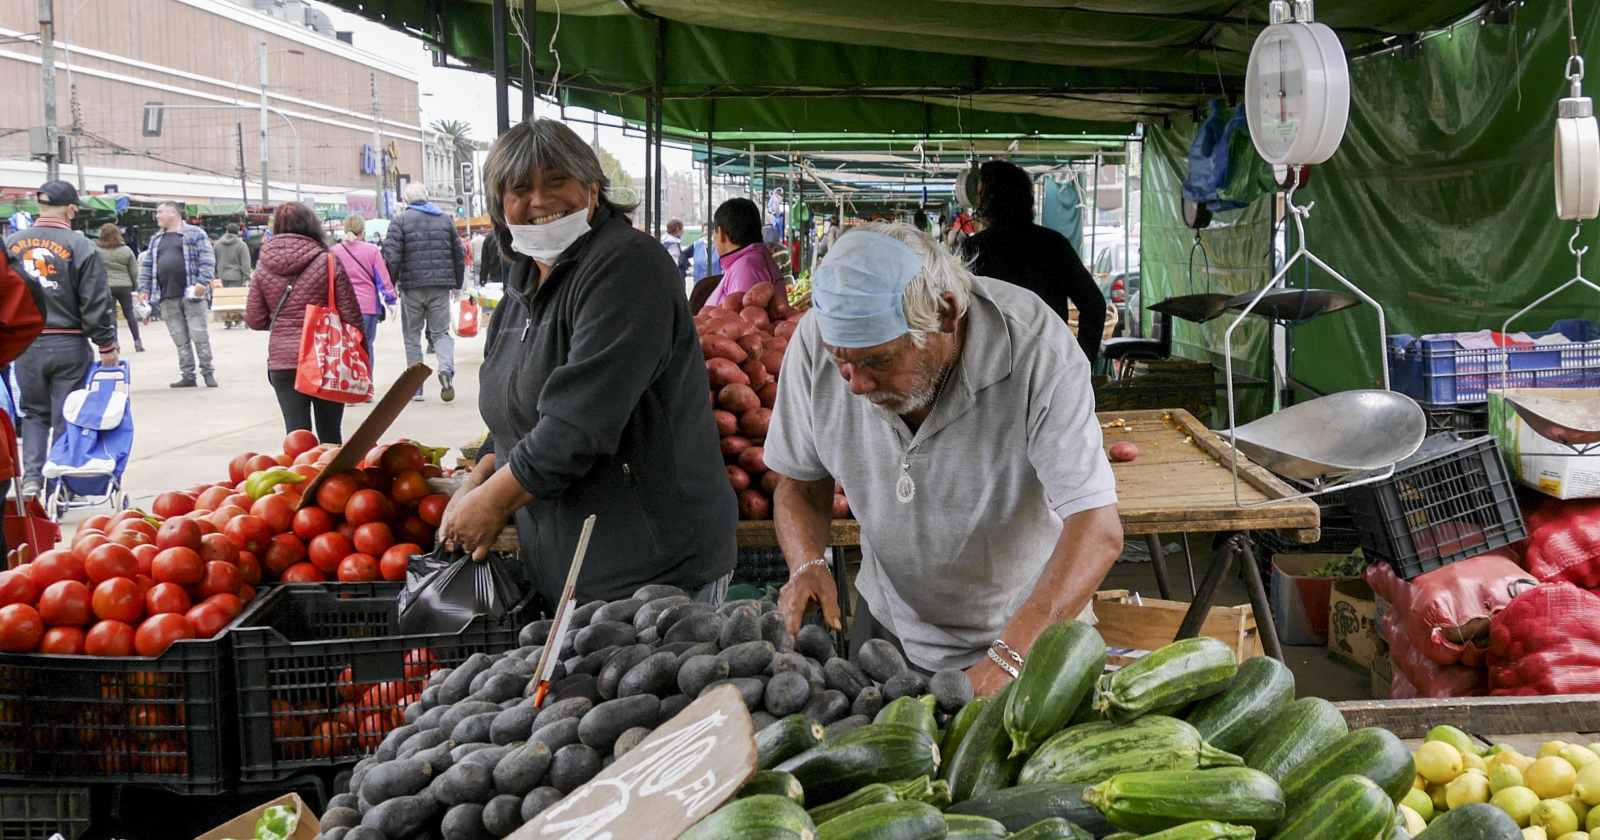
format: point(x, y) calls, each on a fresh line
point(352, 718)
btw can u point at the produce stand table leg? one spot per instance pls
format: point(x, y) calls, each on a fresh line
point(841, 585)
point(1158, 562)
point(1236, 546)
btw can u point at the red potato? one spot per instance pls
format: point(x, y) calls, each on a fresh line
point(1124, 452)
point(754, 423)
point(722, 372)
point(753, 461)
point(717, 347)
point(760, 295)
point(841, 506)
point(733, 302)
point(735, 329)
point(754, 505)
point(780, 308)
point(738, 397)
point(738, 478)
point(784, 328)
point(757, 373)
point(732, 445)
point(727, 422)
point(755, 316)
point(768, 395)
point(769, 483)
point(754, 343)
point(772, 360)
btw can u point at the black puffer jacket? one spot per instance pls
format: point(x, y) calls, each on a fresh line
point(422, 249)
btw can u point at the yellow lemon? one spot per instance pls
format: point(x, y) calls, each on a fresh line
point(1551, 776)
point(1577, 805)
point(1473, 761)
point(1555, 816)
point(1549, 748)
point(1579, 757)
point(1511, 757)
point(1419, 802)
point(1587, 786)
point(1592, 822)
point(1419, 783)
point(1517, 802)
point(1466, 789)
point(1436, 793)
point(1534, 833)
point(1574, 835)
point(1503, 776)
point(1414, 822)
point(1438, 762)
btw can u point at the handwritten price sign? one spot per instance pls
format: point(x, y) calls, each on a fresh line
point(683, 771)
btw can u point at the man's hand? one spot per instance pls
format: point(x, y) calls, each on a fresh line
point(986, 677)
point(109, 358)
point(813, 584)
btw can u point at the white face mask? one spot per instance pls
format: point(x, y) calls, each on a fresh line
point(546, 242)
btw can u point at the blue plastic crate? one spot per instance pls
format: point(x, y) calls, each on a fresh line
point(1438, 371)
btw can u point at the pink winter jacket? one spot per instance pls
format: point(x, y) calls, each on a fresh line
point(291, 258)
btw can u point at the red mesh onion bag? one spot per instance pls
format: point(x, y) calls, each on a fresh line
point(1445, 613)
point(1425, 677)
point(1564, 542)
point(1547, 641)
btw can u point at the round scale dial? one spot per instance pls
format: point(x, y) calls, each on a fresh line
point(1297, 93)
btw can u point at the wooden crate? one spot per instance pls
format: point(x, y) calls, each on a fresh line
point(1129, 621)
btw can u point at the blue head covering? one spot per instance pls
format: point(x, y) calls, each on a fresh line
point(858, 291)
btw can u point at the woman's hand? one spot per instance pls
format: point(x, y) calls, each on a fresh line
point(478, 512)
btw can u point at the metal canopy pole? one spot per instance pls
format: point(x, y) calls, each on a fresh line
point(660, 109)
point(530, 57)
point(711, 169)
point(649, 131)
point(502, 84)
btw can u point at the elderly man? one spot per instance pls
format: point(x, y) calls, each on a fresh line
point(958, 414)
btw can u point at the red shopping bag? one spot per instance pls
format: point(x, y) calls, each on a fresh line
point(333, 358)
point(467, 317)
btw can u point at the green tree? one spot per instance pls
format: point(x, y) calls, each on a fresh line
point(622, 189)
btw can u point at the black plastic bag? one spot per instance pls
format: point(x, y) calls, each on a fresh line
point(445, 591)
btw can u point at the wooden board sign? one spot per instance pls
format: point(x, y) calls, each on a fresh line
point(682, 772)
point(366, 435)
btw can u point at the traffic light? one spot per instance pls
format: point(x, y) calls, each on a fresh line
point(467, 178)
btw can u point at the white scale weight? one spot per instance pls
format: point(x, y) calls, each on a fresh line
point(1577, 169)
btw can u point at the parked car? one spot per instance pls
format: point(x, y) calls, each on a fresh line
point(1117, 281)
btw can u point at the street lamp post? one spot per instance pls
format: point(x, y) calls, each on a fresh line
point(261, 58)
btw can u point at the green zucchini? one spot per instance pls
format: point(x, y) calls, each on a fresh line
point(775, 783)
point(1088, 711)
point(982, 762)
point(876, 752)
point(912, 712)
point(959, 724)
point(1168, 678)
point(745, 817)
point(1350, 807)
point(971, 827)
point(1061, 669)
point(935, 792)
point(1019, 807)
point(876, 793)
point(888, 821)
point(1155, 801)
point(1054, 828)
point(1231, 720)
point(1297, 732)
point(785, 739)
point(1372, 752)
point(1473, 822)
point(1213, 830)
point(1149, 743)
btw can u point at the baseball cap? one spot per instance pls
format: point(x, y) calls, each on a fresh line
point(858, 292)
point(57, 193)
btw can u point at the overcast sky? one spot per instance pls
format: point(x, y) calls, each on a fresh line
point(466, 96)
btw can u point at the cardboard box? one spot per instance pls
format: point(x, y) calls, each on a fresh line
point(1139, 625)
point(1299, 600)
point(1382, 671)
point(243, 827)
point(1535, 461)
point(1353, 623)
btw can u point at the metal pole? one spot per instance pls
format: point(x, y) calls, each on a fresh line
point(530, 57)
point(47, 86)
point(502, 95)
point(377, 152)
point(1127, 233)
point(711, 168)
point(262, 136)
point(244, 187)
point(649, 129)
point(1094, 214)
point(660, 121)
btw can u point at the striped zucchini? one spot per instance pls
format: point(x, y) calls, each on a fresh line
point(971, 827)
point(1054, 828)
point(785, 739)
point(1149, 743)
point(775, 783)
point(1372, 752)
point(888, 821)
point(876, 793)
point(959, 724)
point(1296, 733)
point(1231, 720)
point(1167, 679)
point(1019, 807)
point(1155, 801)
point(751, 816)
point(877, 752)
point(1213, 830)
point(982, 762)
point(915, 712)
point(1061, 669)
point(1350, 807)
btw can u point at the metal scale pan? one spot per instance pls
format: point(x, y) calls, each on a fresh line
point(1569, 418)
point(1294, 305)
point(1336, 435)
point(1198, 308)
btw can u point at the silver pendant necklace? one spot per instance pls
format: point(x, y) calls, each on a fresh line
point(905, 489)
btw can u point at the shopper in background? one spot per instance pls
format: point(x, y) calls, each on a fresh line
point(122, 269)
point(672, 240)
point(292, 274)
point(428, 264)
point(77, 306)
point(705, 260)
point(175, 276)
point(746, 261)
point(233, 257)
point(1014, 249)
point(363, 264)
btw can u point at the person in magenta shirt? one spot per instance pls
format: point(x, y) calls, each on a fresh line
point(736, 233)
point(363, 263)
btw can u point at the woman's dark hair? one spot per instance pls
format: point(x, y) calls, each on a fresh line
point(1007, 193)
point(740, 220)
point(110, 235)
point(294, 217)
point(530, 148)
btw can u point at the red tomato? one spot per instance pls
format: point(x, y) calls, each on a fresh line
point(240, 500)
point(109, 561)
point(178, 532)
point(275, 510)
point(217, 548)
point(384, 695)
point(208, 619)
point(373, 538)
point(335, 493)
point(310, 521)
point(172, 504)
point(125, 516)
point(17, 587)
point(158, 632)
point(347, 530)
point(283, 551)
point(65, 640)
point(408, 487)
point(166, 598)
point(99, 522)
point(303, 573)
point(432, 471)
point(146, 556)
point(56, 564)
point(231, 604)
point(145, 582)
point(373, 728)
point(118, 599)
point(239, 468)
point(306, 470)
point(211, 497)
point(431, 508)
point(249, 568)
point(131, 537)
point(358, 568)
point(260, 462)
point(247, 593)
point(109, 638)
point(249, 533)
point(419, 663)
point(298, 441)
point(392, 565)
point(290, 493)
point(204, 524)
point(328, 549)
point(220, 578)
point(330, 739)
point(225, 514)
point(65, 603)
point(375, 479)
point(307, 457)
point(178, 565)
point(84, 543)
point(400, 457)
point(413, 529)
point(21, 628)
point(366, 506)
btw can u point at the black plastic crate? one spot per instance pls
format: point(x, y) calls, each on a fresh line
point(166, 720)
point(38, 813)
point(1463, 420)
point(321, 673)
point(1340, 535)
point(1450, 501)
point(760, 566)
